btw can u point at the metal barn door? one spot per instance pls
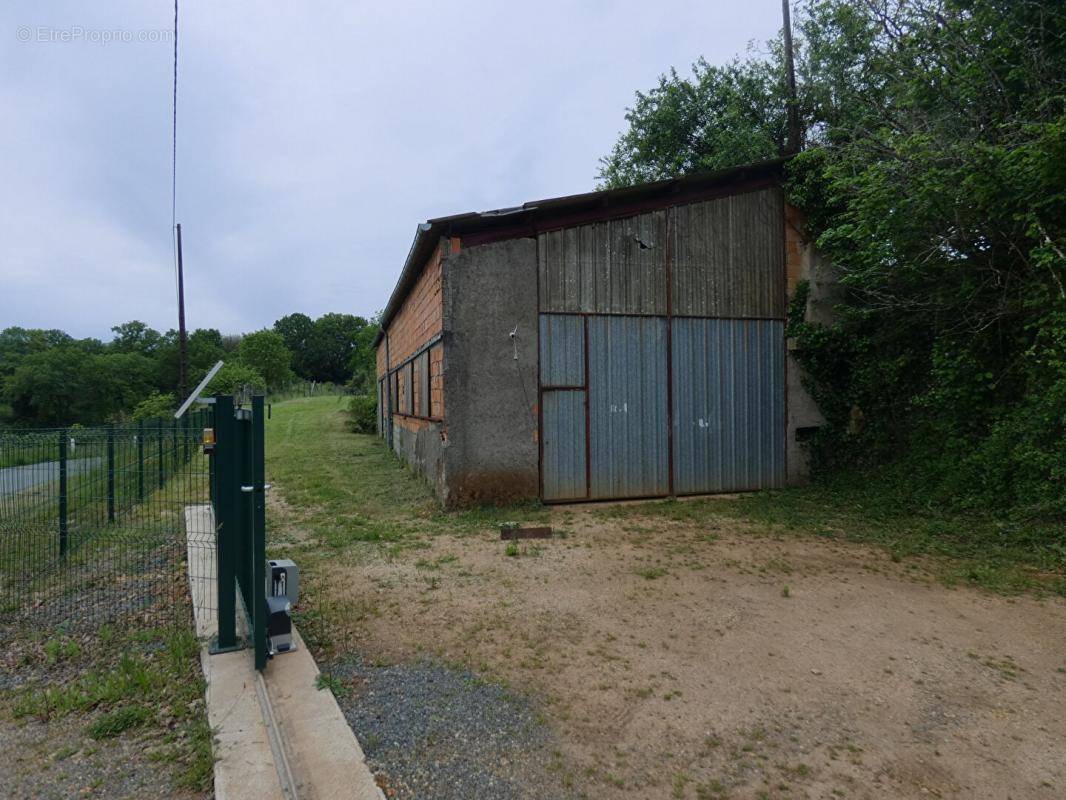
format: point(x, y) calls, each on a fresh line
point(563, 377)
point(728, 405)
point(627, 407)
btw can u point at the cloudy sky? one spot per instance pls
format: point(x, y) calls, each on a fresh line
point(312, 138)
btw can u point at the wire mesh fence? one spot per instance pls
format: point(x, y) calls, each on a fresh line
point(93, 521)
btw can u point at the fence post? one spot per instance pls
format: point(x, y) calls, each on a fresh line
point(140, 460)
point(63, 492)
point(159, 450)
point(226, 487)
point(258, 532)
point(111, 472)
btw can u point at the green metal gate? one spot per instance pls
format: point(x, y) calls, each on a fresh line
point(238, 497)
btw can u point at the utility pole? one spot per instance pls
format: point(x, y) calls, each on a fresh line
point(792, 146)
point(183, 352)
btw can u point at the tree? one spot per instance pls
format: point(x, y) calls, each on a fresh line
point(155, 405)
point(204, 348)
point(65, 385)
point(135, 337)
point(235, 376)
point(363, 362)
point(266, 353)
point(720, 117)
point(331, 345)
point(296, 329)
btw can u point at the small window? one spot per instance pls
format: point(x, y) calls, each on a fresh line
point(421, 383)
point(409, 396)
point(413, 377)
point(383, 420)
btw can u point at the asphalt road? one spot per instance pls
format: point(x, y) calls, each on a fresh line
point(18, 479)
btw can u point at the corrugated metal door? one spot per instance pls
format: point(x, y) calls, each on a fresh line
point(562, 378)
point(563, 455)
point(627, 406)
point(728, 405)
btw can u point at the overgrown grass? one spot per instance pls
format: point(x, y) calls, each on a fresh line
point(136, 680)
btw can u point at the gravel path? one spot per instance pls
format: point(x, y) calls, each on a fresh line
point(438, 733)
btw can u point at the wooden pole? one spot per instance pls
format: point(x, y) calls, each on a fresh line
point(793, 143)
point(183, 350)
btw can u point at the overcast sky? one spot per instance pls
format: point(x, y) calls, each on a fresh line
point(312, 138)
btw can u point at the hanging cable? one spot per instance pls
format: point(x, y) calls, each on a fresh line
point(174, 131)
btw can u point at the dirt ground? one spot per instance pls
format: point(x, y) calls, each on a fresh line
point(681, 660)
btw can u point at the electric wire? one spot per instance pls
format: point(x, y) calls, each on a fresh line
point(174, 156)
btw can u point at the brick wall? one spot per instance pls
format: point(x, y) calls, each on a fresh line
point(418, 321)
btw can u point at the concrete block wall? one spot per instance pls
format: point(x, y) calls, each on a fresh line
point(803, 263)
point(490, 380)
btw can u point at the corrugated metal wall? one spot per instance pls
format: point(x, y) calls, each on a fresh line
point(700, 317)
point(728, 259)
point(628, 451)
point(612, 267)
point(728, 405)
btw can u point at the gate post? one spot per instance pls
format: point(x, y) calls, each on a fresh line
point(258, 534)
point(226, 486)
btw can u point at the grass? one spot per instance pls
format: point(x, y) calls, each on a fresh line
point(136, 681)
point(121, 719)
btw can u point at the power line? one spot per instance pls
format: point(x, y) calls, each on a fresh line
point(183, 357)
point(174, 131)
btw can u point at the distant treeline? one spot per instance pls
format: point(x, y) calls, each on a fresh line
point(48, 377)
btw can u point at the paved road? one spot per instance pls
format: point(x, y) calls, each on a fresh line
point(18, 479)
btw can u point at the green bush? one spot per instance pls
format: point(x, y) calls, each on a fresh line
point(155, 405)
point(363, 414)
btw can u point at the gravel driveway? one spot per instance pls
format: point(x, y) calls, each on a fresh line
point(438, 733)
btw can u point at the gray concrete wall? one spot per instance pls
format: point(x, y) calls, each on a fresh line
point(491, 453)
point(419, 443)
point(802, 411)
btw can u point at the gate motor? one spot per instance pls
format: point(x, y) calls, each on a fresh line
point(282, 590)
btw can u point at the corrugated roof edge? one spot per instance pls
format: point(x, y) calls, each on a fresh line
point(670, 190)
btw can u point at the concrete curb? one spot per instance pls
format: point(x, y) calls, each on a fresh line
point(278, 738)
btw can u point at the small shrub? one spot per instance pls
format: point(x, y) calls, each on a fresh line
point(331, 682)
point(363, 414)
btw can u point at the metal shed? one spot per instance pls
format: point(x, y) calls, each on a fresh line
point(618, 344)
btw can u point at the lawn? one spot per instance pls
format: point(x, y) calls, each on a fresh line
point(799, 643)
